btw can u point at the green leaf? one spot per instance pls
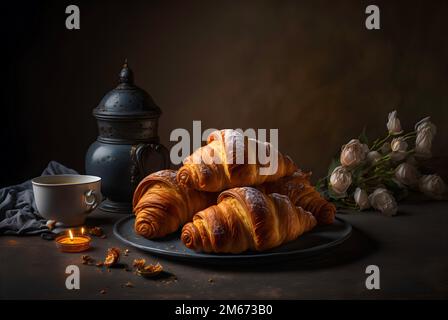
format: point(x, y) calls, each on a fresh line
point(320, 185)
point(334, 196)
point(344, 204)
point(392, 185)
point(334, 163)
point(400, 192)
point(363, 136)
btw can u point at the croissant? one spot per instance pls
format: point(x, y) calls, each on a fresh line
point(161, 205)
point(246, 219)
point(230, 160)
point(299, 189)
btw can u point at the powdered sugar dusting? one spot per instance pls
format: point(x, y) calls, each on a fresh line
point(239, 150)
point(233, 142)
point(254, 198)
point(215, 135)
point(164, 174)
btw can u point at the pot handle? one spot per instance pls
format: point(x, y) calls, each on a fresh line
point(91, 200)
point(141, 152)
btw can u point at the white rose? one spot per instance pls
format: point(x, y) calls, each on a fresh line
point(433, 186)
point(382, 200)
point(393, 123)
point(361, 199)
point(426, 124)
point(353, 153)
point(398, 145)
point(426, 130)
point(340, 180)
point(423, 143)
point(407, 174)
point(373, 156)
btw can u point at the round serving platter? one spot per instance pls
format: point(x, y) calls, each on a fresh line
point(314, 242)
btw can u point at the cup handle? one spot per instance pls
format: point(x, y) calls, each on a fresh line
point(91, 200)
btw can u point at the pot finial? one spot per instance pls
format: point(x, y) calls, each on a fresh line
point(126, 74)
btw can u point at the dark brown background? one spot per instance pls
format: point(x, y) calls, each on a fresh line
point(309, 68)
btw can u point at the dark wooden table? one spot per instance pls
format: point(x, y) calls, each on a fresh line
point(410, 250)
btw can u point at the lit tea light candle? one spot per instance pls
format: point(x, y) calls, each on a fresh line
point(73, 242)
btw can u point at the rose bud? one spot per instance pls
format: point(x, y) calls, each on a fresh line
point(426, 124)
point(373, 156)
point(340, 180)
point(407, 174)
point(393, 123)
point(382, 200)
point(353, 153)
point(398, 147)
point(426, 130)
point(361, 199)
point(423, 143)
point(433, 186)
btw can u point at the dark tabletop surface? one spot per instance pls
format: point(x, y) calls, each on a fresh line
point(410, 250)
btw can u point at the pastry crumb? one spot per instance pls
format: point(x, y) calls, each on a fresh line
point(150, 271)
point(139, 263)
point(112, 257)
point(85, 259)
point(95, 231)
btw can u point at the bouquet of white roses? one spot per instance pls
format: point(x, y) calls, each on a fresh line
point(379, 174)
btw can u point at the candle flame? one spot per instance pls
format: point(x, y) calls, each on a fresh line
point(70, 233)
point(82, 230)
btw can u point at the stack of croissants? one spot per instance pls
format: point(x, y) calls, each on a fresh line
point(226, 207)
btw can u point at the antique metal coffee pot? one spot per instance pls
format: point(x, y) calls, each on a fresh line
point(127, 148)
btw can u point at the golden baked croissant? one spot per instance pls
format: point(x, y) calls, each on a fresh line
point(161, 205)
point(246, 219)
point(230, 160)
point(299, 189)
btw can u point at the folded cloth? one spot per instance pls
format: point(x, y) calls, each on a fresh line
point(18, 212)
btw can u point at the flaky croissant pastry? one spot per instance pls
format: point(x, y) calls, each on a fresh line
point(230, 160)
point(299, 189)
point(161, 205)
point(246, 219)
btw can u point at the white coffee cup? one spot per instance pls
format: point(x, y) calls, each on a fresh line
point(67, 198)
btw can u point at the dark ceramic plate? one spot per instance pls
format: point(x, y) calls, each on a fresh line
point(318, 240)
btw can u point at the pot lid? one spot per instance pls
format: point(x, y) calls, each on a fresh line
point(127, 100)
